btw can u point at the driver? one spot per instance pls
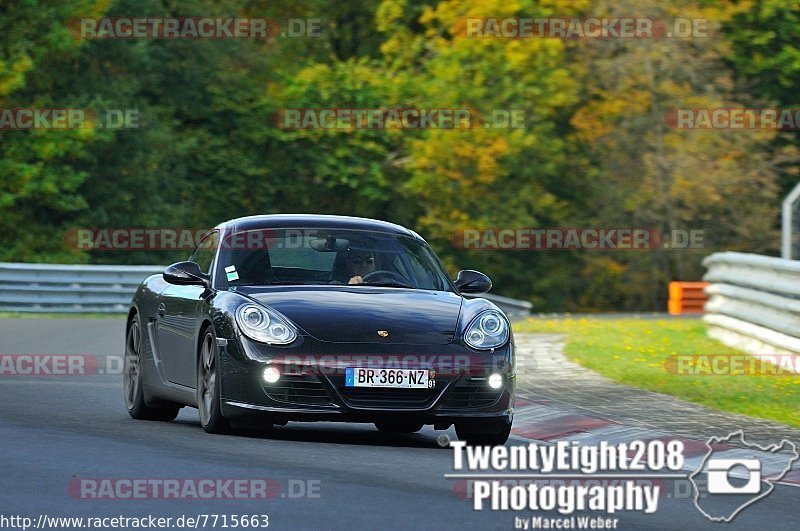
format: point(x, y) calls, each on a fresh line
point(359, 265)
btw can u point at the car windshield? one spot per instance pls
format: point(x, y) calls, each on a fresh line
point(287, 256)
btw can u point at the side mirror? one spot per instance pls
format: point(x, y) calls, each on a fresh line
point(469, 281)
point(186, 274)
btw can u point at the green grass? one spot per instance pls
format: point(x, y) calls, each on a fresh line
point(31, 315)
point(637, 352)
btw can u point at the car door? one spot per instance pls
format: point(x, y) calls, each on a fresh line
point(177, 318)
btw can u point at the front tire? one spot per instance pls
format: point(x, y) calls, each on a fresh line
point(132, 380)
point(484, 433)
point(208, 386)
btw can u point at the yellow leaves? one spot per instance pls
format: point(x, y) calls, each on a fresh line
point(328, 81)
point(720, 11)
point(389, 12)
point(454, 13)
point(522, 55)
point(22, 65)
point(600, 117)
point(392, 45)
point(97, 8)
point(314, 72)
point(467, 157)
point(515, 55)
point(487, 157)
point(12, 73)
point(389, 20)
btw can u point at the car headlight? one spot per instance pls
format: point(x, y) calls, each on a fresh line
point(488, 330)
point(263, 325)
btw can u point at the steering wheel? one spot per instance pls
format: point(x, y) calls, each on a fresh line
point(383, 273)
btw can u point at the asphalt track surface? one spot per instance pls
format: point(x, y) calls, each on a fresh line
point(55, 430)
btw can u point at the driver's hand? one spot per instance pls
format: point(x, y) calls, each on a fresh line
point(356, 280)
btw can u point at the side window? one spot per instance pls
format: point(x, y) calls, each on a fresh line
point(206, 249)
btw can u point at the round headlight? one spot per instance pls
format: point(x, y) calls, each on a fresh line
point(262, 324)
point(255, 317)
point(495, 381)
point(489, 329)
point(475, 337)
point(279, 331)
point(491, 324)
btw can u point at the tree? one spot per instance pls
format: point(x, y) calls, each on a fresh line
point(722, 182)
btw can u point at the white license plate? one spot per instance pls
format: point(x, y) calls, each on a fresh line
point(399, 378)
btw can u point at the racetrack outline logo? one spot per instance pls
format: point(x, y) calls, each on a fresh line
point(769, 480)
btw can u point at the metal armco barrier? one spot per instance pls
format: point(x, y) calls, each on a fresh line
point(106, 288)
point(513, 308)
point(754, 302)
point(70, 288)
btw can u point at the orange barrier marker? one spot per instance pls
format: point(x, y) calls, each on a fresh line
point(686, 297)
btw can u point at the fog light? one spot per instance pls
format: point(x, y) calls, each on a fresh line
point(495, 381)
point(271, 375)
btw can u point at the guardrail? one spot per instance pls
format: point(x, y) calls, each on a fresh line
point(513, 308)
point(106, 289)
point(69, 288)
point(754, 302)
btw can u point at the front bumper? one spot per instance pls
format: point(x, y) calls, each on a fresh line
point(311, 387)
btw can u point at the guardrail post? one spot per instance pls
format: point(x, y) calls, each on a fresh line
point(787, 225)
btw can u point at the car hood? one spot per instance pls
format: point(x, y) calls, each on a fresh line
point(356, 314)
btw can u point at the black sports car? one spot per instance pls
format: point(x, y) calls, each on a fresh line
point(304, 318)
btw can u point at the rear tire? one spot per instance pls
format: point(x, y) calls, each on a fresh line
point(398, 427)
point(208, 386)
point(480, 434)
point(132, 380)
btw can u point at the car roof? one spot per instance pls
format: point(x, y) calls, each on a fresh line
point(299, 221)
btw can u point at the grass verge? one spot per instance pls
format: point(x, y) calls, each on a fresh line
point(644, 353)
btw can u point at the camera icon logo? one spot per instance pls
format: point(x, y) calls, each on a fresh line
point(719, 474)
point(738, 473)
